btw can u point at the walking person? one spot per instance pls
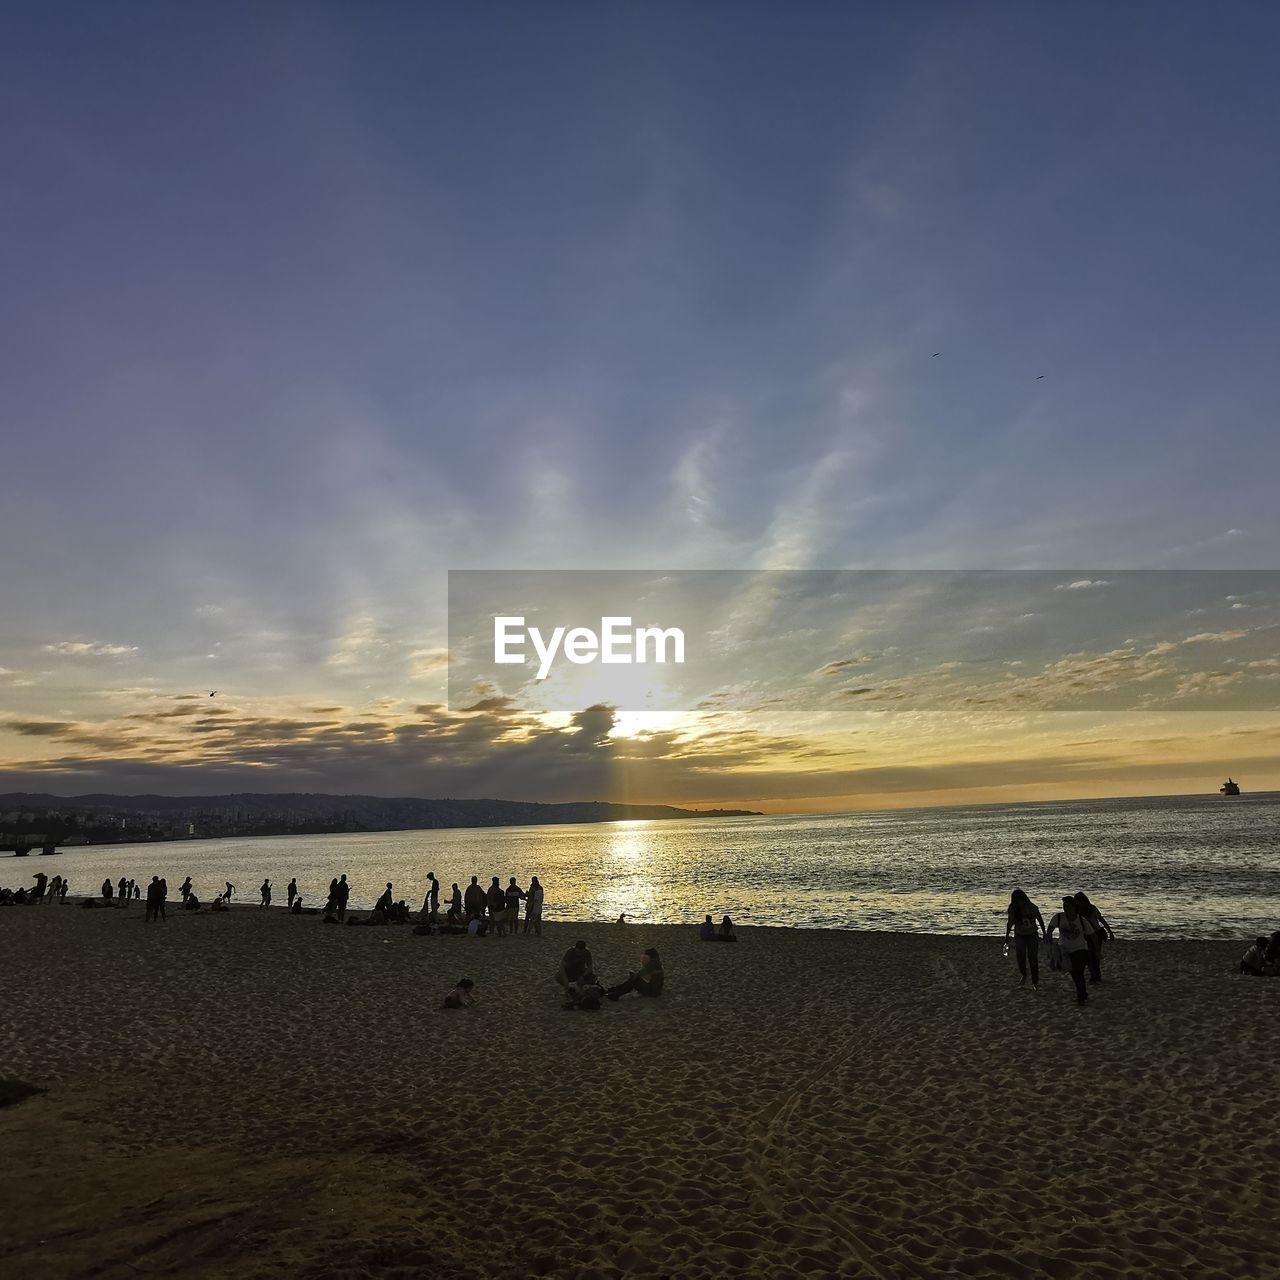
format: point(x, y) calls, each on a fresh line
point(1026, 924)
point(226, 897)
point(1097, 922)
point(533, 908)
point(1073, 932)
point(292, 891)
point(266, 894)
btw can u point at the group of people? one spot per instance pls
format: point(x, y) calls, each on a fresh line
point(709, 931)
point(1074, 935)
point(44, 890)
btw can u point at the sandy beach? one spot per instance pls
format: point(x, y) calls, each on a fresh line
point(255, 1094)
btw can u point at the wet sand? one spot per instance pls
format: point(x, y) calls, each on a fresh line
point(256, 1094)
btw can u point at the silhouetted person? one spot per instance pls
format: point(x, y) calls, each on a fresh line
point(497, 903)
point(1073, 931)
point(295, 907)
point(1255, 959)
point(1098, 928)
point(707, 930)
point(266, 894)
point(344, 892)
point(122, 889)
point(573, 964)
point(185, 889)
point(431, 904)
point(533, 908)
point(133, 888)
point(455, 899)
point(514, 895)
point(647, 981)
point(107, 890)
point(382, 907)
point(331, 905)
point(164, 895)
point(474, 898)
point(62, 893)
point(292, 891)
point(726, 931)
point(153, 899)
point(463, 996)
point(41, 884)
point(1024, 921)
point(230, 891)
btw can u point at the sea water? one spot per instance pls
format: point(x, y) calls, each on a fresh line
point(1165, 867)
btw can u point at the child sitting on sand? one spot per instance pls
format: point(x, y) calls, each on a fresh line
point(463, 996)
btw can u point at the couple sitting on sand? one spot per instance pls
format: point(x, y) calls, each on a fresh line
point(1263, 958)
point(583, 990)
point(708, 931)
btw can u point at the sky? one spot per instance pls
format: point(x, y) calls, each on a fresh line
point(306, 305)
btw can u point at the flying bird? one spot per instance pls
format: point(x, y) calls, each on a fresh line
point(1039, 376)
point(212, 692)
point(936, 353)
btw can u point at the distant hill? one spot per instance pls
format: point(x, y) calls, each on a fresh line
point(102, 817)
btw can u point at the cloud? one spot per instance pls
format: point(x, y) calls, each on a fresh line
point(426, 662)
point(90, 649)
point(1216, 637)
point(1082, 584)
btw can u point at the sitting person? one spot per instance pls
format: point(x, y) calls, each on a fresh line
point(296, 909)
point(707, 930)
point(454, 922)
point(573, 964)
point(220, 904)
point(726, 931)
point(192, 903)
point(463, 996)
point(648, 982)
point(478, 927)
point(585, 993)
point(1255, 959)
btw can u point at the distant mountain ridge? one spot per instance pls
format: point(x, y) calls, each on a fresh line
point(100, 816)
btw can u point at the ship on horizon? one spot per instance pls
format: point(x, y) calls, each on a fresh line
point(1230, 788)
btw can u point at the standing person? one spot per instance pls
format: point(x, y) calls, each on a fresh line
point(266, 894)
point(164, 895)
point(292, 892)
point(533, 908)
point(474, 898)
point(62, 893)
point(431, 904)
point(1095, 920)
point(107, 890)
point(185, 889)
point(648, 981)
point(55, 888)
point(226, 897)
point(455, 900)
point(1073, 931)
point(133, 888)
point(344, 892)
point(514, 894)
point(122, 889)
point(153, 899)
point(498, 906)
point(331, 905)
point(1023, 918)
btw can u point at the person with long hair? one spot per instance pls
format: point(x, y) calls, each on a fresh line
point(1026, 924)
point(1100, 929)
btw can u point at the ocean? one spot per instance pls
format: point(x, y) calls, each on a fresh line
point(1161, 867)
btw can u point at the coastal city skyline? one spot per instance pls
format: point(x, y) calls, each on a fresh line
point(307, 309)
